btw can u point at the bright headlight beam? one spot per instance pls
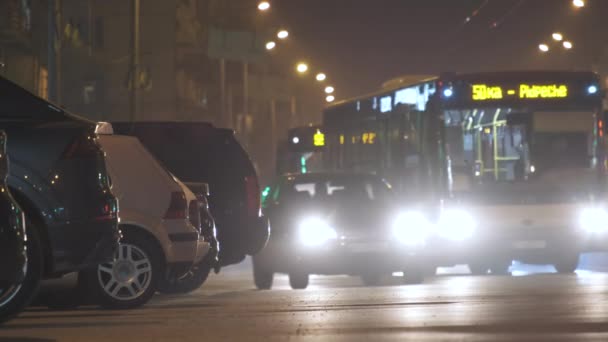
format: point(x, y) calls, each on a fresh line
point(594, 220)
point(316, 232)
point(411, 228)
point(456, 225)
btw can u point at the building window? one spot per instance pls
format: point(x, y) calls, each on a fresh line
point(43, 83)
point(99, 33)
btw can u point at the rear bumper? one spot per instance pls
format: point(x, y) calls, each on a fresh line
point(241, 237)
point(92, 243)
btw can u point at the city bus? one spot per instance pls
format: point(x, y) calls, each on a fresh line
point(504, 166)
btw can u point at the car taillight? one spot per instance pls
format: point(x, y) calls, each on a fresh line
point(109, 211)
point(252, 189)
point(194, 214)
point(178, 207)
point(84, 146)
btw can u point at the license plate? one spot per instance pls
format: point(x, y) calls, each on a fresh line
point(536, 244)
point(367, 247)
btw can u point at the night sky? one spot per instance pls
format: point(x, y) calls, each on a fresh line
point(362, 43)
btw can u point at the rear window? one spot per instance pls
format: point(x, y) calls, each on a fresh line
point(18, 103)
point(193, 152)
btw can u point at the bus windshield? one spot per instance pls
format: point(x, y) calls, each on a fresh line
point(493, 145)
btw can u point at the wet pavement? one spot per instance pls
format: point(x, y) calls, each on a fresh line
point(448, 307)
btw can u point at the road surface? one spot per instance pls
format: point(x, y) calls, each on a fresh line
point(450, 307)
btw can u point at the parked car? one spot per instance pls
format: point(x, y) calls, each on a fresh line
point(327, 223)
point(58, 178)
point(160, 223)
point(198, 152)
point(13, 250)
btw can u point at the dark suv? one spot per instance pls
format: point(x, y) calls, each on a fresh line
point(58, 178)
point(13, 268)
point(198, 152)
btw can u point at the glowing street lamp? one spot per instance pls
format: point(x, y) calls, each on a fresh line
point(558, 36)
point(330, 98)
point(543, 47)
point(302, 68)
point(578, 3)
point(283, 34)
point(270, 45)
point(264, 6)
point(321, 77)
point(567, 45)
point(329, 90)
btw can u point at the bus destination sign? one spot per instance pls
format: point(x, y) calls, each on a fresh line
point(484, 92)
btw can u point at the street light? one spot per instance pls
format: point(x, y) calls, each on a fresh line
point(567, 45)
point(321, 77)
point(264, 6)
point(270, 45)
point(558, 36)
point(283, 34)
point(543, 47)
point(329, 90)
point(578, 3)
point(330, 98)
point(302, 68)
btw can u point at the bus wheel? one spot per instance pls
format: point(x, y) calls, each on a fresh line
point(567, 265)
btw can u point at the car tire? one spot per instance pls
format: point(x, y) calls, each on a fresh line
point(567, 265)
point(189, 282)
point(262, 277)
point(132, 278)
point(371, 279)
point(298, 280)
point(14, 299)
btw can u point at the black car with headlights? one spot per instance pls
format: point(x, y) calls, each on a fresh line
point(338, 224)
point(13, 250)
point(58, 178)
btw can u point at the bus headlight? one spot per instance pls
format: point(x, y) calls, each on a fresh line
point(411, 228)
point(594, 220)
point(456, 225)
point(315, 232)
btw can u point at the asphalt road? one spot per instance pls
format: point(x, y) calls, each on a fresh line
point(448, 307)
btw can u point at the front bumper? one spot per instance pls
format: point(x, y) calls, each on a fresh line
point(541, 246)
point(353, 258)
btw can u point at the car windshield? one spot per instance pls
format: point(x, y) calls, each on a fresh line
point(339, 190)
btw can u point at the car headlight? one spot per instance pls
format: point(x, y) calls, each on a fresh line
point(316, 232)
point(411, 228)
point(594, 220)
point(456, 225)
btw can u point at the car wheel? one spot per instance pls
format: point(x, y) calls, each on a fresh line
point(262, 277)
point(15, 298)
point(567, 265)
point(189, 282)
point(298, 281)
point(131, 279)
point(371, 279)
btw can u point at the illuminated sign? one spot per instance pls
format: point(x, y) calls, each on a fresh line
point(483, 92)
point(319, 139)
point(368, 138)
